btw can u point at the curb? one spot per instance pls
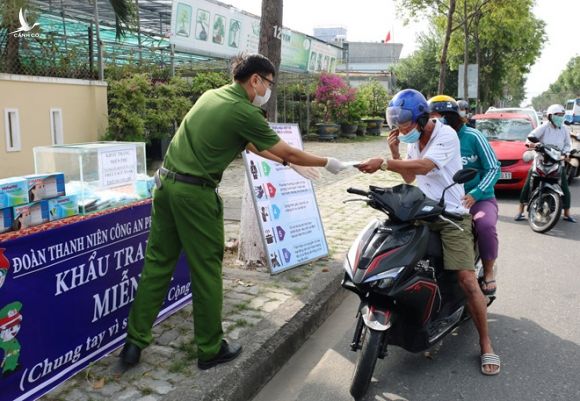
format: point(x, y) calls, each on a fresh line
point(269, 345)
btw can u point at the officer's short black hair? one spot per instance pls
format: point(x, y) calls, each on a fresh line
point(246, 65)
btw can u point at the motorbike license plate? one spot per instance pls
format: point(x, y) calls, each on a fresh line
point(505, 175)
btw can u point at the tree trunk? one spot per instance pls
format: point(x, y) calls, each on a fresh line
point(443, 67)
point(270, 44)
point(477, 60)
point(465, 52)
point(251, 251)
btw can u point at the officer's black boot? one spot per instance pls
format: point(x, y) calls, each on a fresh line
point(227, 353)
point(131, 354)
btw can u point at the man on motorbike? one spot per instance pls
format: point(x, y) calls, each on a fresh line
point(551, 132)
point(480, 196)
point(433, 157)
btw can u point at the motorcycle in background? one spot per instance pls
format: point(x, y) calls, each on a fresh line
point(395, 266)
point(573, 165)
point(545, 199)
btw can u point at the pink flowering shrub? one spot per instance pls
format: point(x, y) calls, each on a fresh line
point(334, 95)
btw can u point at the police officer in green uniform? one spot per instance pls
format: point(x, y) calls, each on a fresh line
point(187, 212)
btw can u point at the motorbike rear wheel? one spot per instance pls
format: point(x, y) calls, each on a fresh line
point(365, 365)
point(544, 211)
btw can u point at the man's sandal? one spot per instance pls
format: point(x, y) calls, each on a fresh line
point(490, 359)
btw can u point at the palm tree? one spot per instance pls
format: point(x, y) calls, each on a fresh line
point(124, 12)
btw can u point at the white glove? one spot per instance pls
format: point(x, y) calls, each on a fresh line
point(310, 173)
point(335, 166)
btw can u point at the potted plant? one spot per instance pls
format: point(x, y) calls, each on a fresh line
point(351, 113)
point(331, 94)
point(377, 98)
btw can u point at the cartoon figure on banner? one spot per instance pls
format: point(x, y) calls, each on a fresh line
point(10, 320)
point(253, 170)
point(265, 214)
point(4, 266)
point(259, 191)
point(274, 260)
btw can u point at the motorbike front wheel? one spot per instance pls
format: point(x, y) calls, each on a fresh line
point(365, 365)
point(545, 209)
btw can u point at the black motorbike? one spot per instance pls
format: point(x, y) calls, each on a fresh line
point(396, 268)
point(573, 165)
point(545, 198)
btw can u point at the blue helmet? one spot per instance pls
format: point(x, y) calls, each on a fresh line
point(406, 105)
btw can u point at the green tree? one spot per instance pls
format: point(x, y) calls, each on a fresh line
point(567, 86)
point(420, 71)
point(444, 8)
point(373, 98)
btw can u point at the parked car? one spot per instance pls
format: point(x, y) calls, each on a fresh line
point(507, 133)
point(536, 121)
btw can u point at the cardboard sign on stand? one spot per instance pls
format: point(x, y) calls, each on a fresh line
point(286, 207)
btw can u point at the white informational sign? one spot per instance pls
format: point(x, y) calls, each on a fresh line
point(472, 81)
point(218, 30)
point(117, 166)
point(286, 207)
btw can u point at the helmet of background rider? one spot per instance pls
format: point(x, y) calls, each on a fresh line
point(443, 104)
point(463, 108)
point(407, 105)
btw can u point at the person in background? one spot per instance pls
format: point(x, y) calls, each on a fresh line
point(187, 212)
point(551, 132)
point(479, 193)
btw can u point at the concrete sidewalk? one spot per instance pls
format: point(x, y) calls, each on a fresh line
point(271, 316)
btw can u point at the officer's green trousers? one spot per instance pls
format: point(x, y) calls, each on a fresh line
point(190, 218)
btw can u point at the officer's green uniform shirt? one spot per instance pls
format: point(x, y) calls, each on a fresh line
point(216, 129)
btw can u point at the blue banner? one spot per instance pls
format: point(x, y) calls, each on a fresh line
point(65, 295)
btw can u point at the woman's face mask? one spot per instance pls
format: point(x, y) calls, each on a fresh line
point(557, 120)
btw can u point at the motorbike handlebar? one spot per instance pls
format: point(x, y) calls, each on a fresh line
point(357, 191)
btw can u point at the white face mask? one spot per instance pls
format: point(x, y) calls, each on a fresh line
point(261, 100)
point(462, 113)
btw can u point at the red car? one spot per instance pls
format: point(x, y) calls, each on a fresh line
point(507, 133)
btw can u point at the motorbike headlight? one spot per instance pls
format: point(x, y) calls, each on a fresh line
point(385, 279)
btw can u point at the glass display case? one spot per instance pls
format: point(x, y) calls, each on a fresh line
point(101, 174)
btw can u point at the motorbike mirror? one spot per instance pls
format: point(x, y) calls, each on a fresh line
point(464, 175)
point(533, 139)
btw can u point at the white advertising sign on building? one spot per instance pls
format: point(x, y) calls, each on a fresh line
point(286, 206)
point(218, 30)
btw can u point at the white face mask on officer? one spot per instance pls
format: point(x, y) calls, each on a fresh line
point(261, 100)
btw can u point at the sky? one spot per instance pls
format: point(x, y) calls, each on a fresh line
point(371, 20)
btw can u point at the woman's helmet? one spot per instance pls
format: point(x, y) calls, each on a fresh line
point(463, 105)
point(555, 109)
point(407, 105)
point(443, 104)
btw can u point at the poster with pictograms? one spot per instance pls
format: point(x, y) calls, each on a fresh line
point(286, 207)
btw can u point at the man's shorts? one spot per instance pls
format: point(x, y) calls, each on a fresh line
point(457, 245)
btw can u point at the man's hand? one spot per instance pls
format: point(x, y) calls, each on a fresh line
point(468, 201)
point(394, 143)
point(335, 166)
point(370, 165)
point(310, 173)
